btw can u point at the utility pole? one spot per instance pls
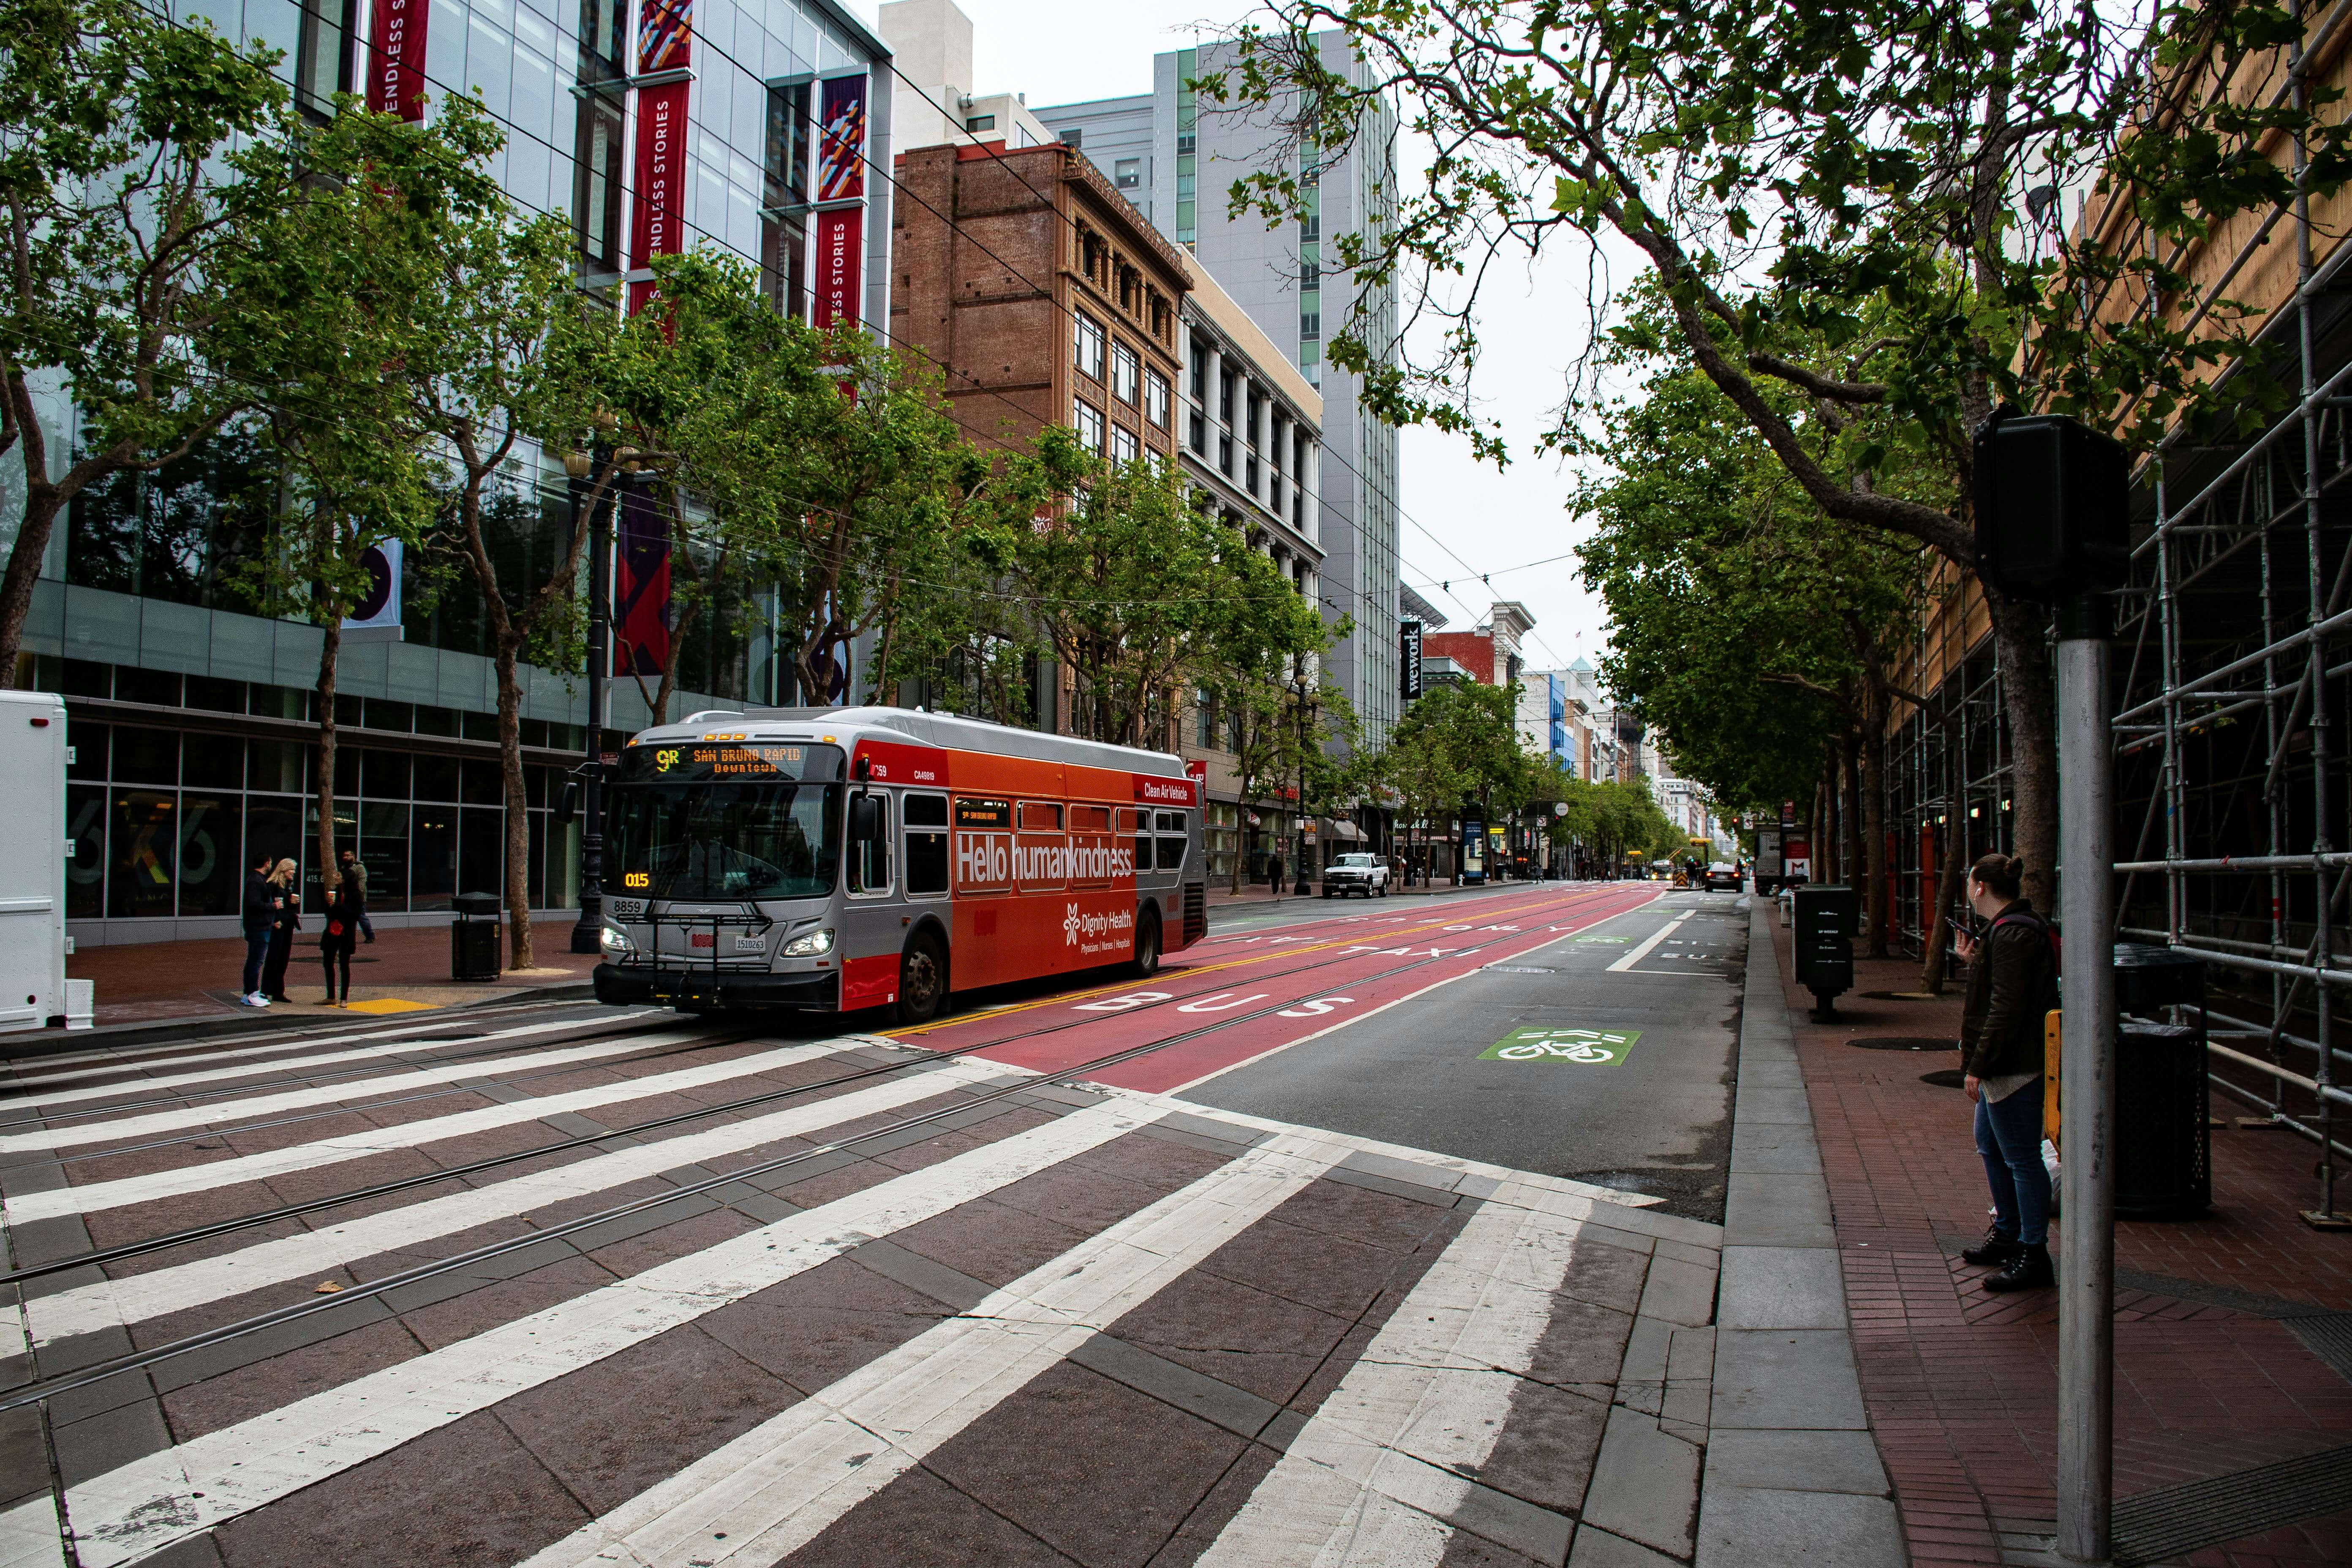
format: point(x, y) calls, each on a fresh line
point(2051, 526)
point(579, 467)
point(2086, 1212)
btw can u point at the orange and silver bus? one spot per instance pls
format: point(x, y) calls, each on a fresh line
point(838, 859)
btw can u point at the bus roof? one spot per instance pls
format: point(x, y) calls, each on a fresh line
point(947, 731)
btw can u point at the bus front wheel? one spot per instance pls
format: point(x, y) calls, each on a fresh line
point(1147, 945)
point(922, 981)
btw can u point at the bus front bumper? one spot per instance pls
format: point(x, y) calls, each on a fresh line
point(700, 989)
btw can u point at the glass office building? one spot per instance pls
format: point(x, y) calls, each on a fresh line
point(191, 712)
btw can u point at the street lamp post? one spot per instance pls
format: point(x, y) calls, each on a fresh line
point(1300, 886)
point(579, 467)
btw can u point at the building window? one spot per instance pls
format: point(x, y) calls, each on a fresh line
point(1225, 398)
point(597, 187)
point(322, 57)
point(980, 122)
point(1310, 325)
point(1155, 399)
point(1128, 173)
point(1090, 426)
point(1249, 474)
point(783, 230)
point(1200, 372)
point(1090, 346)
point(1225, 455)
point(1074, 137)
point(1123, 445)
point(1127, 372)
point(1205, 711)
point(1197, 436)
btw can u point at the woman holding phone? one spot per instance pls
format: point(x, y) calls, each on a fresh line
point(2000, 1044)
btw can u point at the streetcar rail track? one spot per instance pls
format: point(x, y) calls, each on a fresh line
point(141, 1248)
point(38, 1390)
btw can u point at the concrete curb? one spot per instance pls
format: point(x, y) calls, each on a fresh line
point(1792, 1473)
point(31, 1044)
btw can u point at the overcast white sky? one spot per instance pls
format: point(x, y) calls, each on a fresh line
point(1059, 51)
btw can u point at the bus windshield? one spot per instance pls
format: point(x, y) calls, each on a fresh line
point(734, 823)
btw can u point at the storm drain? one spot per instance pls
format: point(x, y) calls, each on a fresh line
point(2153, 1527)
point(1904, 1043)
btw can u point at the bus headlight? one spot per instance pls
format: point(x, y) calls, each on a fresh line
point(612, 939)
point(808, 944)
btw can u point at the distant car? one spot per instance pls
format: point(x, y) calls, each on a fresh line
point(1722, 876)
point(1365, 874)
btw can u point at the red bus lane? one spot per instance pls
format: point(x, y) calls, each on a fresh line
point(1274, 998)
point(1303, 951)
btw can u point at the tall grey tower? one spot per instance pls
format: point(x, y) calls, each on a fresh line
point(1177, 155)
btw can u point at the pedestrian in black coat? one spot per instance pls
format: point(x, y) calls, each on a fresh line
point(2013, 986)
point(345, 909)
point(286, 921)
point(259, 916)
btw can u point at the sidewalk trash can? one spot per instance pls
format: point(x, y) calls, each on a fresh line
point(474, 937)
point(2163, 1130)
point(1822, 918)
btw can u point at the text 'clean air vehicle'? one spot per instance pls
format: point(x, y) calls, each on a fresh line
point(849, 857)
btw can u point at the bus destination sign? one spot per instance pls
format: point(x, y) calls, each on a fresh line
point(696, 760)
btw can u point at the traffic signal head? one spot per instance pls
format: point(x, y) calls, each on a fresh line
point(2051, 507)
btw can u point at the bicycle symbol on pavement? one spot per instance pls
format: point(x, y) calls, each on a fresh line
point(1594, 1047)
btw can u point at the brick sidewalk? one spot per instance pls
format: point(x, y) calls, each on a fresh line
point(1962, 1385)
point(146, 982)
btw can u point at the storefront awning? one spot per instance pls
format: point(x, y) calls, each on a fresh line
point(1343, 828)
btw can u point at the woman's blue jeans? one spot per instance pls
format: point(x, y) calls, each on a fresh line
point(2008, 1136)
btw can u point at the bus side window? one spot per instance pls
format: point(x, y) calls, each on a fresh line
point(869, 860)
point(925, 817)
point(1172, 851)
point(1138, 823)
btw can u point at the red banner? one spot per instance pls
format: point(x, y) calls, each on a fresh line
point(660, 226)
point(396, 59)
point(840, 243)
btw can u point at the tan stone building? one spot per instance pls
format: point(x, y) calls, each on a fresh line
point(1044, 293)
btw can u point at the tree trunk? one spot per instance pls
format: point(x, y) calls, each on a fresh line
point(329, 651)
point(41, 507)
point(2021, 640)
point(1934, 938)
point(1873, 828)
point(518, 812)
point(1849, 814)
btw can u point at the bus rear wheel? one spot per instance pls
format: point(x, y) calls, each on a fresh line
point(922, 981)
point(1147, 945)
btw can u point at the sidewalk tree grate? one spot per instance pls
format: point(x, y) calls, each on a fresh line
point(2157, 1526)
point(1904, 995)
point(1949, 1078)
point(1904, 1043)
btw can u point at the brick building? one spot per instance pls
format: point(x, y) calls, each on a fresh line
point(1046, 294)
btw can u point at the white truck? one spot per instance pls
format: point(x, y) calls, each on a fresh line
point(34, 991)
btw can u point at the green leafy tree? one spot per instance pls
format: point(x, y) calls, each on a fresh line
point(1868, 213)
point(335, 286)
point(136, 164)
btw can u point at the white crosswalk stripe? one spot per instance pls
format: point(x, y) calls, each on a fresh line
point(105, 1130)
point(110, 1303)
point(41, 1098)
point(95, 1196)
point(1384, 1462)
point(773, 1489)
point(147, 1505)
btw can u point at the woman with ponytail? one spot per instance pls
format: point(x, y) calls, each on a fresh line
point(2011, 988)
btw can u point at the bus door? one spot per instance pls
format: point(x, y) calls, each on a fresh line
point(870, 933)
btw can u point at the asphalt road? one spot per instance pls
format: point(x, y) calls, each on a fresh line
point(1650, 1116)
point(1115, 1275)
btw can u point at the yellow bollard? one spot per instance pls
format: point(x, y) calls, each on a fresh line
point(2050, 1059)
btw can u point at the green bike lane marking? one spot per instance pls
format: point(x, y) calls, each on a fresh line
point(1592, 1048)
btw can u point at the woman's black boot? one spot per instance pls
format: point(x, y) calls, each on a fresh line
point(2030, 1270)
point(1995, 1251)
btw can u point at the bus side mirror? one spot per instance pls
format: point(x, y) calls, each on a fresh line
point(865, 819)
point(567, 804)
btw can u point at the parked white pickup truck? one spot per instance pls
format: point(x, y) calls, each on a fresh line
point(1365, 874)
